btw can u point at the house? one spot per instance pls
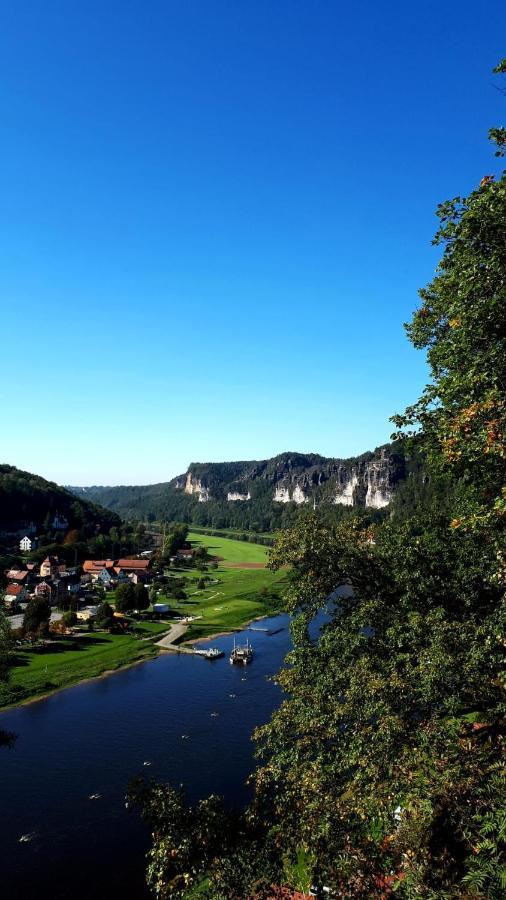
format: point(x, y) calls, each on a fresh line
point(138, 577)
point(93, 568)
point(25, 544)
point(14, 594)
point(44, 590)
point(106, 577)
point(186, 553)
point(121, 576)
point(49, 566)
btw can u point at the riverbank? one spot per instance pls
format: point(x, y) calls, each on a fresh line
point(54, 669)
point(38, 672)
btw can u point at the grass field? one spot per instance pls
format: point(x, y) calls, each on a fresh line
point(229, 550)
point(235, 595)
point(70, 660)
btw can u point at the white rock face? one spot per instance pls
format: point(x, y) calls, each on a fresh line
point(379, 493)
point(377, 498)
point(298, 495)
point(344, 495)
point(196, 487)
point(282, 495)
point(189, 487)
point(236, 495)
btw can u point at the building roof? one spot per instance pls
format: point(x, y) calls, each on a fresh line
point(13, 590)
point(17, 574)
point(133, 563)
point(50, 560)
point(95, 565)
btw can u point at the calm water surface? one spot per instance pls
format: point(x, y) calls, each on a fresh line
point(95, 737)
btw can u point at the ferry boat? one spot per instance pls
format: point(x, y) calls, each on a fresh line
point(210, 653)
point(241, 653)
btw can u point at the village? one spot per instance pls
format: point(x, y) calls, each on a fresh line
point(81, 589)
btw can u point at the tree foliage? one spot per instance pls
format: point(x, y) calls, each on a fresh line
point(36, 616)
point(125, 598)
point(105, 616)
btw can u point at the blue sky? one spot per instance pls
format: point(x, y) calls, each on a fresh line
point(215, 219)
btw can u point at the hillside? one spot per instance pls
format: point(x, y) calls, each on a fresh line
point(29, 500)
point(261, 494)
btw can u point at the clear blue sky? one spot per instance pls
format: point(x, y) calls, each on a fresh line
point(215, 219)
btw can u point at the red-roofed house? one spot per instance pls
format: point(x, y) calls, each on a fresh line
point(14, 594)
point(17, 575)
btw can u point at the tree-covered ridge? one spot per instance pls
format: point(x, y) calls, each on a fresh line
point(26, 498)
point(318, 476)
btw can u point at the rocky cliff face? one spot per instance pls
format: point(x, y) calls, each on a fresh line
point(368, 480)
point(195, 486)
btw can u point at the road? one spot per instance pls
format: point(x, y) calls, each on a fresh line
point(17, 620)
point(168, 642)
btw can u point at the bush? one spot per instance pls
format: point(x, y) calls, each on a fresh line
point(105, 616)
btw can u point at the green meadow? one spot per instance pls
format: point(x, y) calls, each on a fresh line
point(234, 595)
point(229, 550)
point(232, 598)
point(40, 670)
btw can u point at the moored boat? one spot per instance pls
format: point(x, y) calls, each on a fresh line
point(209, 653)
point(241, 653)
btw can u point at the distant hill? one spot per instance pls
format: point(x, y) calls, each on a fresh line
point(260, 494)
point(27, 498)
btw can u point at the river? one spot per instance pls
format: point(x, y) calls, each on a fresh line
point(93, 738)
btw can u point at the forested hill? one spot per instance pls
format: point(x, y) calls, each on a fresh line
point(27, 498)
point(262, 494)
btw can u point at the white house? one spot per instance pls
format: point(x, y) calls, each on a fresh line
point(25, 544)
